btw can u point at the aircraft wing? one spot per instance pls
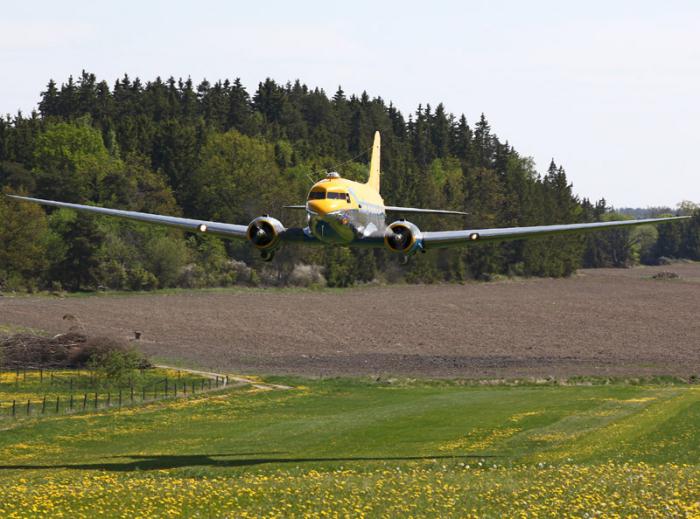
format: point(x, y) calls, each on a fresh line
point(220, 229)
point(441, 239)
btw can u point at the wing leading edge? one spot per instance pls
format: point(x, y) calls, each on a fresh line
point(441, 239)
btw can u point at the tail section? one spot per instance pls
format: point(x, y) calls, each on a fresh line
point(373, 181)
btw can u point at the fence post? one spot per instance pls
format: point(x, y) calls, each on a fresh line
point(109, 398)
point(41, 375)
point(202, 384)
point(132, 394)
point(28, 404)
point(57, 401)
point(120, 399)
point(95, 399)
point(43, 405)
point(14, 408)
point(84, 401)
point(166, 387)
point(71, 402)
point(71, 384)
point(193, 387)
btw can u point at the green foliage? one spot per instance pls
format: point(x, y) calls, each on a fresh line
point(338, 267)
point(76, 262)
point(115, 365)
point(213, 151)
point(166, 257)
point(692, 240)
point(237, 177)
point(70, 161)
point(23, 239)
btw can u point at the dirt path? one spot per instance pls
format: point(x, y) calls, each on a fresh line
point(600, 322)
point(226, 378)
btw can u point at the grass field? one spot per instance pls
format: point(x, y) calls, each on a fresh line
point(352, 447)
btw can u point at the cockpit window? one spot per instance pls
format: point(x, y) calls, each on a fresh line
point(317, 195)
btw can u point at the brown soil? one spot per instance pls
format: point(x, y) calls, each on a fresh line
point(600, 322)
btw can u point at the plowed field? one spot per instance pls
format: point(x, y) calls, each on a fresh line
point(600, 322)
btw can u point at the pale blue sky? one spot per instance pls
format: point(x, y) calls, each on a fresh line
point(610, 89)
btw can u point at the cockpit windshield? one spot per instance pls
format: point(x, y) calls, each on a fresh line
point(331, 195)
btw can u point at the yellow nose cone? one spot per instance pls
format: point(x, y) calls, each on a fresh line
point(322, 207)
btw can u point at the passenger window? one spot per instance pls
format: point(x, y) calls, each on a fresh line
point(347, 197)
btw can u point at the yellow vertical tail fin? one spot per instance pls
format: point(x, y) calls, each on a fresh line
point(373, 181)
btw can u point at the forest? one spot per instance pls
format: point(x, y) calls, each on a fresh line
point(215, 151)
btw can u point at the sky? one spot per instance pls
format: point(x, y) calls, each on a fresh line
point(608, 89)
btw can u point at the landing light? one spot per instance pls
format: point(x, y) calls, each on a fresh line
point(202, 227)
point(474, 236)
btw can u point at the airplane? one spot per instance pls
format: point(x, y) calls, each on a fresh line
point(347, 213)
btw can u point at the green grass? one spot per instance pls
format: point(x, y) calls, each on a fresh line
point(353, 447)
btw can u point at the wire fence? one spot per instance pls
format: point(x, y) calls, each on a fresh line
point(76, 397)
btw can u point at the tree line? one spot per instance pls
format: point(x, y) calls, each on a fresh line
point(213, 151)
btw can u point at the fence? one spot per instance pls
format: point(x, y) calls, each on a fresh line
point(84, 401)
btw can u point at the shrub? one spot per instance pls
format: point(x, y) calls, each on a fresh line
point(112, 361)
point(306, 276)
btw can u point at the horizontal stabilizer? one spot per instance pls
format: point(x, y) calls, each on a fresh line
point(395, 209)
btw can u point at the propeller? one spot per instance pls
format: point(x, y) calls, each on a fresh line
point(261, 233)
point(399, 240)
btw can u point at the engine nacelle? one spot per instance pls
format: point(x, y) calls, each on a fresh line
point(404, 237)
point(264, 233)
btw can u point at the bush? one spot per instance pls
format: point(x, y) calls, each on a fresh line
point(141, 279)
point(306, 276)
point(68, 350)
point(115, 365)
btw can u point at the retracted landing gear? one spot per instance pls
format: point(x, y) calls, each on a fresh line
point(267, 255)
